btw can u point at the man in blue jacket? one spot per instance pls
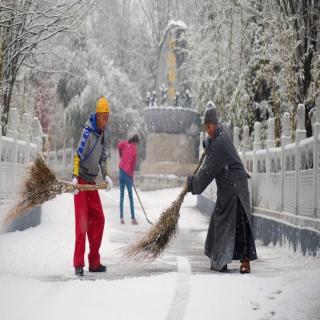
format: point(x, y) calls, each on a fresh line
point(90, 159)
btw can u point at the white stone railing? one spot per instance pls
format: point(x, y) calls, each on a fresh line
point(61, 161)
point(285, 180)
point(17, 149)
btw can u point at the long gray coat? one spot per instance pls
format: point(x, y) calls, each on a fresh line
point(224, 164)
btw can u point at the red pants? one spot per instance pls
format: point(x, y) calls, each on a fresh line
point(89, 220)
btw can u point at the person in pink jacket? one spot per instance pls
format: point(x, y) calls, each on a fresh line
point(128, 158)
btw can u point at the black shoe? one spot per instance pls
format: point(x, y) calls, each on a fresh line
point(78, 271)
point(101, 268)
point(224, 269)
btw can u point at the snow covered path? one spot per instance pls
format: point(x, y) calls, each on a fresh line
point(37, 281)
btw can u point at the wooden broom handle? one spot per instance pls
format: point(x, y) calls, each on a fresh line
point(87, 187)
point(200, 162)
point(91, 187)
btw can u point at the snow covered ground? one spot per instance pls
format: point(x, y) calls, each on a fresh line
point(37, 281)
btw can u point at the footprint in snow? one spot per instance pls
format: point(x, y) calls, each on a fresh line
point(274, 293)
point(277, 292)
point(269, 316)
point(255, 305)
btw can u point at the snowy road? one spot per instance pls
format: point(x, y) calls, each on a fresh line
point(37, 281)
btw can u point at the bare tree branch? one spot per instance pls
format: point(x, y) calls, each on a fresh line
point(27, 24)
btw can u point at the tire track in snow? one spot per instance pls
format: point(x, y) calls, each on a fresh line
point(181, 296)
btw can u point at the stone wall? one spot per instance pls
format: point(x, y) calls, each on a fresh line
point(174, 154)
point(156, 182)
point(172, 142)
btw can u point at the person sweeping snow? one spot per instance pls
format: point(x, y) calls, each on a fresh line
point(90, 158)
point(230, 233)
point(128, 154)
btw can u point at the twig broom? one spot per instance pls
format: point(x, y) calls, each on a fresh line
point(153, 243)
point(40, 184)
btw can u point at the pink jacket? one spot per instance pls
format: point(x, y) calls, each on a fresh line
point(128, 155)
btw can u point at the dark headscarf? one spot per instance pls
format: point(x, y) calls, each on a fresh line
point(134, 139)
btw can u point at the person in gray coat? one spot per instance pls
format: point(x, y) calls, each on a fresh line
point(230, 234)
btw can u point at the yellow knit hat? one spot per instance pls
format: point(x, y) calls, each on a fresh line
point(102, 105)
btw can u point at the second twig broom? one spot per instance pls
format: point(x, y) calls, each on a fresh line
point(152, 244)
point(40, 184)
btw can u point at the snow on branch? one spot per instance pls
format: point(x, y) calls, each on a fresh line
point(32, 22)
point(25, 28)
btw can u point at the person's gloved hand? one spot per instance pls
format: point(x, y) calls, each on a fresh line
point(108, 180)
point(75, 183)
point(206, 143)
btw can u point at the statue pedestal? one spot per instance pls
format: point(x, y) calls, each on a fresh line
point(169, 154)
point(172, 147)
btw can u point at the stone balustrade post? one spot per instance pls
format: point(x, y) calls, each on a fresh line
point(25, 134)
point(36, 133)
point(13, 124)
point(246, 138)
point(25, 127)
point(300, 135)
point(270, 143)
point(301, 130)
point(256, 144)
point(13, 133)
point(316, 151)
point(285, 139)
point(286, 131)
point(271, 140)
point(256, 147)
point(245, 142)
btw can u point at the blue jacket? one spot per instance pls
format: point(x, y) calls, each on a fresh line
point(91, 156)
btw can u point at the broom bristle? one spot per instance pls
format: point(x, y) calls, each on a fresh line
point(152, 244)
point(39, 185)
point(38, 174)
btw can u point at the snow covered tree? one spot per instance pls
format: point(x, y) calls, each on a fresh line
point(216, 39)
point(244, 52)
point(99, 76)
point(24, 27)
